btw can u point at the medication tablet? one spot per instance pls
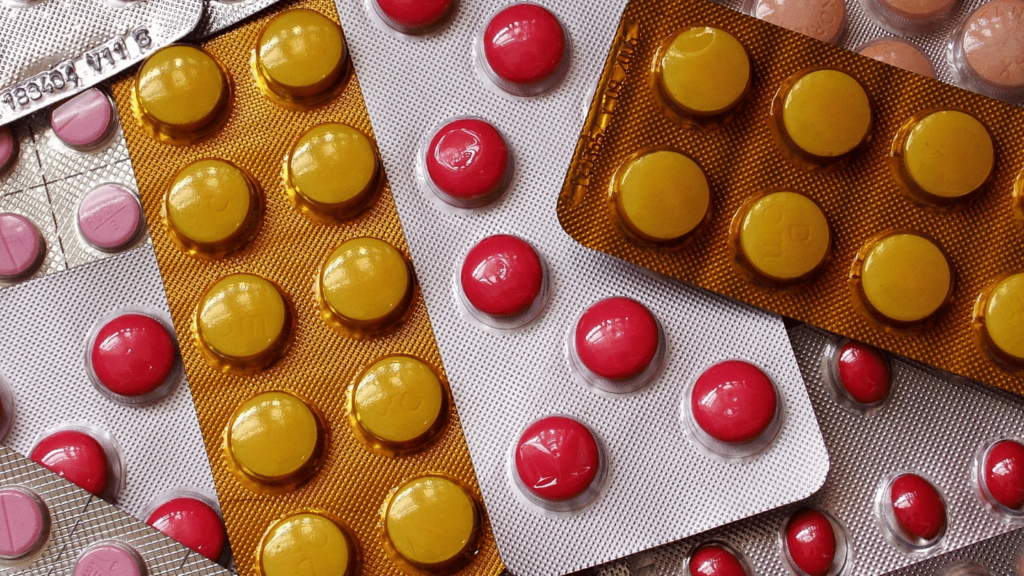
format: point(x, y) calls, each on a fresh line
point(110, 559)
point(191, 522)
point(24, 523)
point(900, 53)
point(415, 16)
point(84, 122)
point(943, 157)
point(468, 163)
point(1001, 317)
point(525, 49)
point(133, 355)
point(661, 197)
point(110, 218)
point(275, 438)
point(502, 276)
point(811, 543)
point(76, 457)
point(213, 207)
point(989, 49)
point(1002, 474)
point(904, 278)
point(400, 402)
point(715, 560)
point(617, 339)
point(301, 56)
point(432, 522)
point(863, 373)
point(243, 323)
point(22, 248)
point(918, 509)
point(825, 116)
point(911, 17)
point(702, 73)
point(182, 93)
point(781, 237)
point(8, 150)
point(333, 172)
point(824, 20)
point(734, 402)
point(307, 543)
point(558, 459)
point(366, 287)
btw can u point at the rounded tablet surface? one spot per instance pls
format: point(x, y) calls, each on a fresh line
point(734, 401)
point(993, 44)
point(333, 170)
point(821, 19)
point(811, 542)
point(110, 559)
point(193, 523)
point(243, 320)
point(300, 54)
point(525, 44)
point(557, 458)
point(863, 373)
point(948, 154)
point(212, 205)
point(8, 150)
point(715, 560)
point(917, 507)
point(306, 543)
point(182, 92)
point(76, 457)
point(662, 196)
point(617, 338)
point(274, 437)
point(431, 520)
point(366, 285)
point(784, 237)
point(703, 71)
point(502, 275)
point(133, 355)
point(110, 217)
point(1003, 474)
point(398, 399)
point(22, 248)
point(906, 278)
point(900, 53)
point(468, 161)
point(914, 16)
point(84, 121)
point(412, 16)
point(1004, 316)
point(826, 113)
point(24, 523)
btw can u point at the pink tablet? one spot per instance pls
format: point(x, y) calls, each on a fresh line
point(917, 507)
point(863, 373)
point(85, 121)
point(502, 276)
point(24, 523)
point(811, 542)
point(525, 49)
point(110, 217)
point(22, 248)
point(617, 338)
point(557, 458)
point(8, 150)
point(734, 401)
point(1003, 474)
point(415, 16)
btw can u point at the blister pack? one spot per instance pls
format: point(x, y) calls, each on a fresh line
point(331, 430)
point(54, 49)
point(586, 388)
point(99, 396)
point(810, 181)
point(67, 191)
point(924, 464)
point(218, 15)
point(51, 526)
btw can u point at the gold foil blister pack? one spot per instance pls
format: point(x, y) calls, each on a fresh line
point(330, 427)
point(816, 183)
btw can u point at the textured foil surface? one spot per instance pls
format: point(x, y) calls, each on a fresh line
point(932, 424)
point(221, 14)
point(742, 158)
point(320, 365)
point(53, 49)
point(661, 487)
point(79, 520)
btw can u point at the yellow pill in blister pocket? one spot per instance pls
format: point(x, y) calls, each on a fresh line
point(275, 438)
point(432, 521)
point(306, 544)
point(300, 54)
point(399, 400)
point(212, 206)
point(783, 237)
point(243, 322)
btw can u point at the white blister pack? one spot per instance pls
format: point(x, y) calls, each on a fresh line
point(929, 425)
point(51, 526)
point(56, 48)
point(45, 351)
point(506, 374)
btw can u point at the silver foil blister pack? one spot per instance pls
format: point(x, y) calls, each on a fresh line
point(53, 49)
point(219, 15)
point(660, 486)
point(79, 522)
point(43, 359)
point(931, 424)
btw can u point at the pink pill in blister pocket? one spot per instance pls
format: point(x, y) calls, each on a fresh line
point(24, 523)
point(21, 246)
point(109, 217)
point(109, 560)
point(84, 121)
point(8, 149)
